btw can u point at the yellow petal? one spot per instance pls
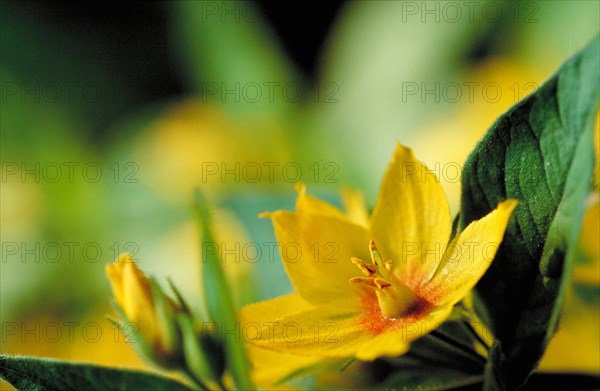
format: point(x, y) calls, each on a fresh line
point(137, 299)
point(411, 220)
point(325, 332)
point(114, 273)
point(269, 366)
point(356, 209)
point(316, 251)
point(311, 205)
point(331, 332)
point(468, 257)
point(273, 309)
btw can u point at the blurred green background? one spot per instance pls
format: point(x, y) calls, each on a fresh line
point(111, 115)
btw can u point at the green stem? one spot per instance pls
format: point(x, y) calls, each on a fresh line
point(477, 336)
point(221, 385)
point(347, 364)
point(459, 346)
point(196, 381)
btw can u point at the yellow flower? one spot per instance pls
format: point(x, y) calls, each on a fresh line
point(133, 294)
point(346, 306)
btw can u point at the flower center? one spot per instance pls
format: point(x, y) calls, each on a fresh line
point(395, 298)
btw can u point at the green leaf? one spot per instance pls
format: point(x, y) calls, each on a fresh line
point(541, 153)
point(34, 374)
point(219, 302)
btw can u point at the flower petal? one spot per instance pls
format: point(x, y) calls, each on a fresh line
point(114, 273)
point(331, 332)
point(273, 309)
point(269, 366)
point(468, 256)
point(316, 251)
point(137, 301)
point(411, 221)
point(356, 209)
point(312, 205)
point(325, 332)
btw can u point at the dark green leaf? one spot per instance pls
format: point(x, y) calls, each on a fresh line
point(34, 374)
point(541, 153)
point(562, 381)
point(427, 379)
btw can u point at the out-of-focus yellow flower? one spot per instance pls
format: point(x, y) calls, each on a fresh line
point(414, 278)
point(197, 144)
point(575, 346)
point(136, 297)
point(87, 339)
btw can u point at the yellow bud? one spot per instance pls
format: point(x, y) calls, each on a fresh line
point(133, 293)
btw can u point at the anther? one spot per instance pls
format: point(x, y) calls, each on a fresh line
point(363, 280)
point(381, 283)
point(375, 256)
point(367, 270)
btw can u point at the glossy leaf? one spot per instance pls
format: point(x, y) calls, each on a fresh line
point(539, 152)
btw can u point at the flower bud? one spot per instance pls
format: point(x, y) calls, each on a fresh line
point(143, 303)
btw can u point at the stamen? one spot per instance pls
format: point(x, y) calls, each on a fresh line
point(367, 270)
point(375, 256)
point(395, 298)
point(381, 283)
point(363, 280)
